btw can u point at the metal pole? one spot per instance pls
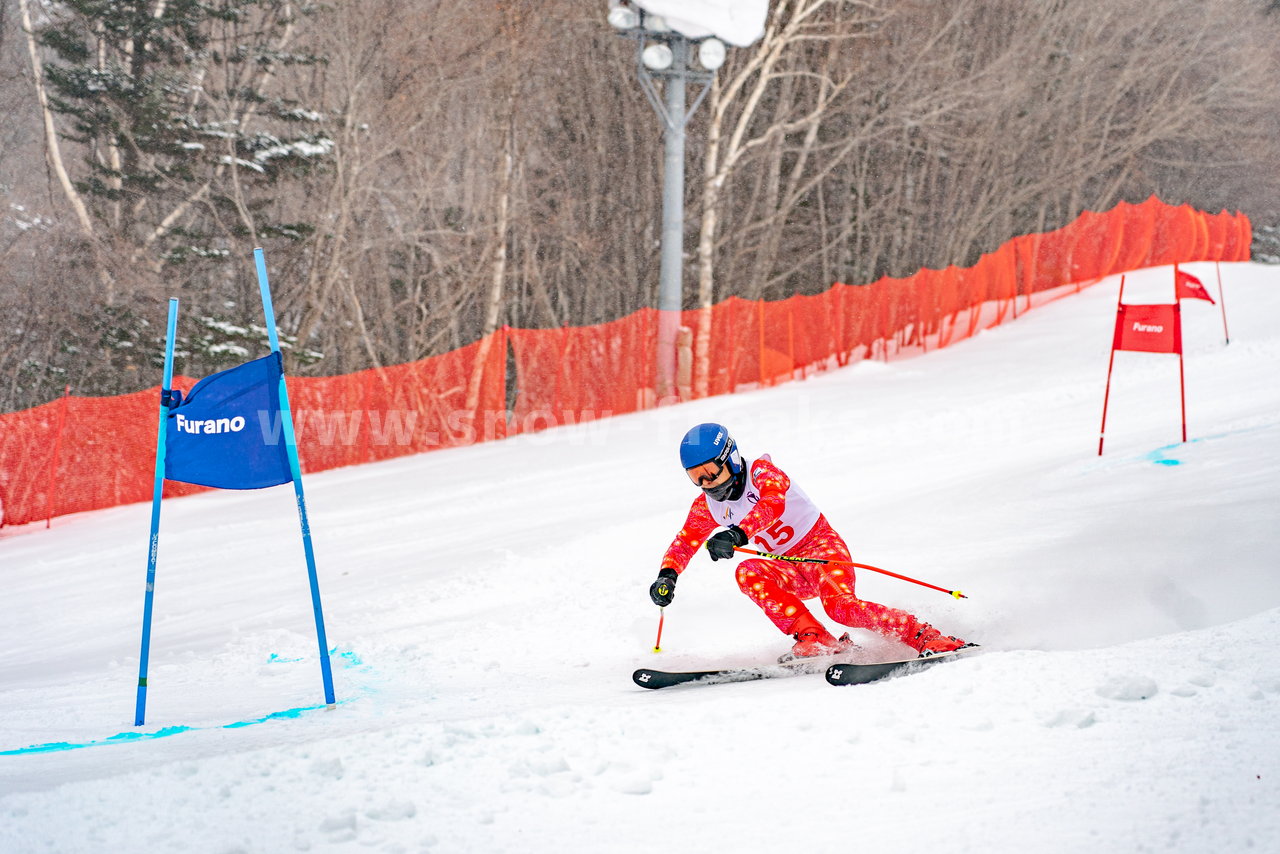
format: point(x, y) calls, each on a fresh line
point(295, 468)
point(670, 287)
point(153, 547)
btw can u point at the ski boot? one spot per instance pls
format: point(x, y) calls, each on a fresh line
point(813, 641)
point(929, 642)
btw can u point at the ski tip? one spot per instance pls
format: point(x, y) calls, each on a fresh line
point(644, 678)
point(861, 673)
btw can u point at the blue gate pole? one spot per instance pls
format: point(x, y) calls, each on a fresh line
point(291, 447)
point(140, 708)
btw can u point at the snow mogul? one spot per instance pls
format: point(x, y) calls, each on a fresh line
point(757, 502)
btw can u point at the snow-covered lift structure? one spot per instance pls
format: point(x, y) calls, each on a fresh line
point(668, 35)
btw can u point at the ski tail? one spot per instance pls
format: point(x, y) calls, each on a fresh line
point(647, 678)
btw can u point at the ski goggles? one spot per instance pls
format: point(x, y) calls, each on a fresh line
point(705, 474)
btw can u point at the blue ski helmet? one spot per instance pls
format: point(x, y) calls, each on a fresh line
point(711, 443)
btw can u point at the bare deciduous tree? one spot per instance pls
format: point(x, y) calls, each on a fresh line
point(497, 163)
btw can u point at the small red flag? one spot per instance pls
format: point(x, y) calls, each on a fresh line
point(1188, 286)
point(1148, 328)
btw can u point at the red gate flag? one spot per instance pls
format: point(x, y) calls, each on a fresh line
point(1187, 286)
point(1148, 329)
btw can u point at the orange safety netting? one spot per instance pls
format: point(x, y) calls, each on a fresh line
point(84, 453)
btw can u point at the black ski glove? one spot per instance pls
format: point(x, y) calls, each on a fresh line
point(722, 544)
point(663, 590)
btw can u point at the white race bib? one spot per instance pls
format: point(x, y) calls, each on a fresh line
point(798, 517)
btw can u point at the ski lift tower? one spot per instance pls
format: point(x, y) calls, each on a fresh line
point(669, 35)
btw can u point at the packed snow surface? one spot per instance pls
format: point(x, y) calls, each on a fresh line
point(486, 606)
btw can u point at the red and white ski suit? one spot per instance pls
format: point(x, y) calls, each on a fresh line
point(781, 519)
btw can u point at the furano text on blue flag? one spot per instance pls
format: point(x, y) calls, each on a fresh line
point(206, 437)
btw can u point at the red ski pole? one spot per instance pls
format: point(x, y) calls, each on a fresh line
point(657, 644)
point(794, 559)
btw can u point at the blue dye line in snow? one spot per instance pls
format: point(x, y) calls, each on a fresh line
point(1158, 455)
point(349, 659)
point(124, 737)
point(1163, 456)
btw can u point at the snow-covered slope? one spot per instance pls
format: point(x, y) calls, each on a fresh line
point(487, 605)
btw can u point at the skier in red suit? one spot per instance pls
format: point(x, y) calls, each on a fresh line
point(757, 502)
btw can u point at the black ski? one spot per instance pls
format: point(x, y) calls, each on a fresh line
point(646, 678)
point(860, 674)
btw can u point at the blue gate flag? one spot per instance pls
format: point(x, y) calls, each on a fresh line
point(226, 432)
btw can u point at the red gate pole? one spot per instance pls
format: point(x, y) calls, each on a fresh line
point(1182, 383)
point(1102, 432)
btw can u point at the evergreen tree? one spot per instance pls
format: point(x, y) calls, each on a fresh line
point(184, 139)
point(191, 145)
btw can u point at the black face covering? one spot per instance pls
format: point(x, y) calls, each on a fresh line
point(731, 489)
